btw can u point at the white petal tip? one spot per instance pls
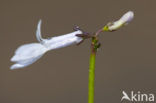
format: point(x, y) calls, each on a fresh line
point(127, 17)
point(13, 59)
point(39, 22)
point(16, 66)
point(38, 31)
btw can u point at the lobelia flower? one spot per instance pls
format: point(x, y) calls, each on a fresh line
point(124, 20)
point(29, 53)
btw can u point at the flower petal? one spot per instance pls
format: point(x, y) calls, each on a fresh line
point(38, 32)
point(24, 63)
point(63, 40)
point(16, 66)
point(28, 51)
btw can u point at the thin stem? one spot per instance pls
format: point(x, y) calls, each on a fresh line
point(94, 47)
point(99, 31)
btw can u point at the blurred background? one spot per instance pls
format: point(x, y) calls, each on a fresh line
point(125, 61)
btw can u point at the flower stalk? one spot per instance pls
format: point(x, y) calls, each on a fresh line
point(94, 47)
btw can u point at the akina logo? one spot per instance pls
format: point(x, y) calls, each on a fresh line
point(138, 96)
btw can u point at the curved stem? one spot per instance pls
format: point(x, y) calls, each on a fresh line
point(99, 31)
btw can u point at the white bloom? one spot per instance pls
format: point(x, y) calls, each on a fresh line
point(125, 19)
point(29, 53)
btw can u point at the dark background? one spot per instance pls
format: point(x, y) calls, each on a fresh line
point(125, 61)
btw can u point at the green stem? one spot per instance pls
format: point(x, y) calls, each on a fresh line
point(94, 47)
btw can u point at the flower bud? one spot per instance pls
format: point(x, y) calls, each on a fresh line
point(125, 19)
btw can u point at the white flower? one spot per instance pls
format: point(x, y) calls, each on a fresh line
point(29, 53)
point(125, 19)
